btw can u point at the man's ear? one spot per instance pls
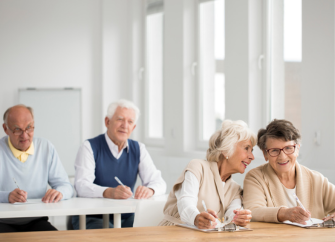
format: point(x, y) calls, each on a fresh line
point(106, 121)
point(4, 128)
point(134, 128)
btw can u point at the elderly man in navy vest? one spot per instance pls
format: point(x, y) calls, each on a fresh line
point(113, 154)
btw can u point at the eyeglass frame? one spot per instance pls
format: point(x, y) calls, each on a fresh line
point(280, 150)
point(21, 130)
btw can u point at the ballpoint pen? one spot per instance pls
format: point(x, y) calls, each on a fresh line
point(16, 183)
point(118, 180)
point(302, 206)
point(204, 205)
point(18, 186)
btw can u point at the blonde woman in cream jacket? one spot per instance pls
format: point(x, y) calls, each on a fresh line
point(229, 152)
point(269, 190)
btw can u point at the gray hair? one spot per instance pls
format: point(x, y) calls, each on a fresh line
point(123, 103)
point(225, 139)
point(5, 115)
point(278, 129)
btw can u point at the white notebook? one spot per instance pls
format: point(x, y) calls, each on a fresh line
point(308, 223)
point(30, 201)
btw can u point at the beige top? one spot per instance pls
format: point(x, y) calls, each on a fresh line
point(264, 194)
point(211, 190)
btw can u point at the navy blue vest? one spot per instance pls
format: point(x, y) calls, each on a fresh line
point(107, 166)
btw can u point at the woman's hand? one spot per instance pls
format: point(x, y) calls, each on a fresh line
point(295, 215)
point(206, 220)
point(332, 216)
point(242, 217)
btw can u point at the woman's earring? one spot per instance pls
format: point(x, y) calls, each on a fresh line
point(226, 157)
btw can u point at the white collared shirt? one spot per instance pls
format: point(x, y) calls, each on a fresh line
point(85, 170)
point(187, 199)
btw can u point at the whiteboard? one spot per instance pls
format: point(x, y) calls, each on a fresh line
point(57, 115)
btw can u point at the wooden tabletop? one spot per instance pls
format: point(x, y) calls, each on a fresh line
point(261, 232)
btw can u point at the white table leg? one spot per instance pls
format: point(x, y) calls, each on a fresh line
point(117, 220)
point(105, 219)
point(82, 222)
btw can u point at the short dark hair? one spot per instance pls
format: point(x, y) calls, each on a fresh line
point(5, 115)
point(278, 129)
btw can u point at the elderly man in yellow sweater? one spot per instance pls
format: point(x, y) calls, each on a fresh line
point(270, 190)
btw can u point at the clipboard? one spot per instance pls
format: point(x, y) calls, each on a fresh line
point(317, 224)
point(234, 228)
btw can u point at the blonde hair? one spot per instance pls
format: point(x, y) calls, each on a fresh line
point(225, 139)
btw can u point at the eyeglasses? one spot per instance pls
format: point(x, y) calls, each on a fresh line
point(288, 150)
point(18, 131)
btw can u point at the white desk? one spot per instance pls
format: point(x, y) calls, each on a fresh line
point(75, 206)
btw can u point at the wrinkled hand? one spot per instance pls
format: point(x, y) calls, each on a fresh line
point(52, 196)
point(206, 220)
point(296, 215)
point(17, 195)
point(242, 217)
point(143, 192)
point(119, 192)
point(332, 216)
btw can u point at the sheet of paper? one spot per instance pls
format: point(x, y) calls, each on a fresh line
point(195, 227)
point(29, 201)
point(308, 222)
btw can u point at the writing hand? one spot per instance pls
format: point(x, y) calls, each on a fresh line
point(295, 215)
point(206, 220)
point(119, 192)
point(17, 195)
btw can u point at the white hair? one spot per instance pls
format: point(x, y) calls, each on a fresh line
point(123, 103)
point(225, 139)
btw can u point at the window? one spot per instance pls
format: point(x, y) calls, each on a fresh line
point(286, 59)
point(154, 70)
point(211, 55)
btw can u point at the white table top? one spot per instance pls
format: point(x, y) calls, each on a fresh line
point(73, 206)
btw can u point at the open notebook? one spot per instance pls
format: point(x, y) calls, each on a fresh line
point(316, 223)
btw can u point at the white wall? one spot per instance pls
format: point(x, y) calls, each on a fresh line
point(52, 44)
point(317, 86)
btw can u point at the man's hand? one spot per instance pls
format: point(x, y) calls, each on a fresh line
point(143, 192)
point(295, 215)
point(119, 192)
point(52, 195)
point(206, 220)
point(17, 195)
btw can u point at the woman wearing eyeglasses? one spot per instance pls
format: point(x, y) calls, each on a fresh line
point(270, 189)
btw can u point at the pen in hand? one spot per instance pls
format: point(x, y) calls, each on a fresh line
point(118, 180)
point(302, 206)
point(18, 186)
point(204, 205)
point(16, 183)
